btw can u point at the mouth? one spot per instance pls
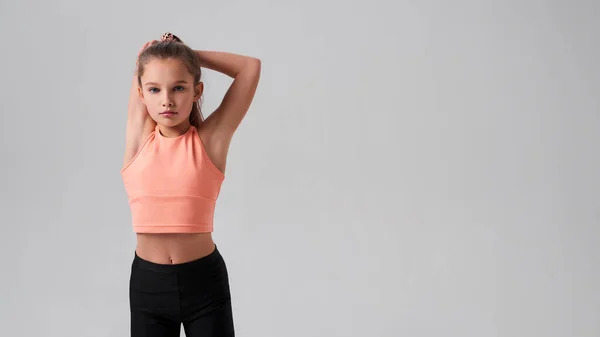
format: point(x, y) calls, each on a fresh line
point(168, 113)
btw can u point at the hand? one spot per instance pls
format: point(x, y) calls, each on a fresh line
point(146, 45)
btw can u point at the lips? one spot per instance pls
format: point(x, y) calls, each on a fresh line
point(168, 113)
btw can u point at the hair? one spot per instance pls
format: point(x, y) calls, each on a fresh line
point(174, 49)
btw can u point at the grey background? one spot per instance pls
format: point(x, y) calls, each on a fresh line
point(407, 168)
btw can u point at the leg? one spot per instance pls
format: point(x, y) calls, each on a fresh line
point(153, 301)
point(206, 299)
point(144, 325)
point(216, 323)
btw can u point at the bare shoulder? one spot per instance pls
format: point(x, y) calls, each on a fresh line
point(215, 143)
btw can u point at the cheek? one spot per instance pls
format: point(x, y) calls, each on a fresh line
point(152, 105)
point(186, 100)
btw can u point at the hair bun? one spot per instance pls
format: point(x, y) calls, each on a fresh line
point(167, 37)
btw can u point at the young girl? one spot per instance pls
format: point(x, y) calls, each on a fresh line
point(173, 169)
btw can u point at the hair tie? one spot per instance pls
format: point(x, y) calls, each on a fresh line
point(167, 37)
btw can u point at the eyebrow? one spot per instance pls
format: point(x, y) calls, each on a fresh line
point(152, 83)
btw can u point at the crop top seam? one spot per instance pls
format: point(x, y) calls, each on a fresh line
point(144, 195)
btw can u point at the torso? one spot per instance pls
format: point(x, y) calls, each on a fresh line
point(173, 248)
point(180, 248)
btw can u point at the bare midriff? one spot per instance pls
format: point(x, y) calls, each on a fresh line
point(173, 248)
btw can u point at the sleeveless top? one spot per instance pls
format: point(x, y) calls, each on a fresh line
point(172, 185)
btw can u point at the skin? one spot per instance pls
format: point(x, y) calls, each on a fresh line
point(166, 84)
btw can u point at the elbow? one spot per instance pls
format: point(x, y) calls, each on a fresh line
point(254, 63)
point(257, 64)
point(252, 67)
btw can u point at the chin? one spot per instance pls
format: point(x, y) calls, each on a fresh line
point(172, 120)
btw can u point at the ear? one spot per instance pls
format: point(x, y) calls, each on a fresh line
point(199, 89)
point(141, 94)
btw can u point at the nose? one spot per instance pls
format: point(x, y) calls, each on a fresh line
point(167, 103)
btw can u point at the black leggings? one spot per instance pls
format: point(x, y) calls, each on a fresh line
point(196, 294)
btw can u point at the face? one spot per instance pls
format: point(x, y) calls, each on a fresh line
point(168, 92)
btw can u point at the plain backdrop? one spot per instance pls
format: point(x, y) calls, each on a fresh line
point(407, 168)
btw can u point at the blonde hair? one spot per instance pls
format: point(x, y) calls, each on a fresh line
point(174, 49)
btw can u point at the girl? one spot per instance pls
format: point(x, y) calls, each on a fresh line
point(173, 169)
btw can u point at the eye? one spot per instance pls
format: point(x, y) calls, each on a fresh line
point(179, 88)
point(152, 89)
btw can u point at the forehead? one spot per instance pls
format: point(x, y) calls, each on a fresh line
point(165, 71)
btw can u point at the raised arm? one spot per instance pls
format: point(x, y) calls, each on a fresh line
point(245, 71)
point(139, 122)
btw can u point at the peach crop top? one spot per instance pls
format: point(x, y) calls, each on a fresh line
point(172, 185)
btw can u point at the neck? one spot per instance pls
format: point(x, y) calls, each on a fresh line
point(174, 131)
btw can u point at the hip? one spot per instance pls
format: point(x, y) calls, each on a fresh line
point(180, 292)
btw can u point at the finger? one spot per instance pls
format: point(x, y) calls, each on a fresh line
point(146, 45)
point(142, 49)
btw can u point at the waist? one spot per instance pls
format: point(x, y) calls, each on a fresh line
point(174, 248)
